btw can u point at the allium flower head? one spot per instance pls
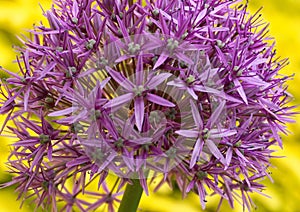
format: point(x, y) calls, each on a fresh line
point(185, 91)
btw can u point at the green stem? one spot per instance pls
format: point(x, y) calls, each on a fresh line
point(131, 197)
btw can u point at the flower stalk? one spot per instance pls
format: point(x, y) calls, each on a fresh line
point(131, 197)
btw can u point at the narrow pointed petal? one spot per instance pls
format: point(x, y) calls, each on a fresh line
point(122, 58)
point(130, 162)
point(62, 112)
point(157, 80)
point(78, 161)
point(216, 133)
point(164, 26)
point(38, 156)
point(75, 9)
point(184, 58)
point(242, 158)
point(119, 101)
point(25, 143)
point(26, 98)
point(192, 93)
point(143, 182)
point(206, 89)
point(107, 161)
point(228, 157)
point(119, 78)
point(50, 151)
point(200, 15)
point(197, 118)
point(123, 29)
point(159, 100)
point(215, 151)
point(202, 194)
point(142, 141)
point(127, 129)
point(177, 83)
point(104, 82)
point(188, 133)
point(139, 71)
point(240, 90)
point(162, 58)
point(139, 110)
point(196, 152)
point(216, 114)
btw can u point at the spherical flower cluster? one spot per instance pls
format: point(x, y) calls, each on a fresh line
point(187, 92)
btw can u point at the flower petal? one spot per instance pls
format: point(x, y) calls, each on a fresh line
point(228, 157)
point(216, 114)
point(215, 151)
point(139, 71)
point(196, 152)
point(28, 142)
point(184, 58)
point(125, 83)
point(123, 29)
point(192, 93)
point(197, 118)
point(188, 133)
point(62, 112)
point(139, 110)
point(217, 133)
point(159, 100)
point(162, 58)
point(240, 90)
point(119, 101)
point(157, 80)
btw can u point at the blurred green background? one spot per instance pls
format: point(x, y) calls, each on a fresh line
point(284, 16)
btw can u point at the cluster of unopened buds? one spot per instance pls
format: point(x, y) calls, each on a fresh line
point(184, 92)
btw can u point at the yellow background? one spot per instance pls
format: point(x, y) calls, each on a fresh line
point(284, 16)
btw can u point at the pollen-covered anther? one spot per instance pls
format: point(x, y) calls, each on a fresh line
point(205, 133)
point(155, 12)
point(133, 47)
point(74, 20)
point(70, 72)
point(76, 127)
point(154, 59)
point(97, 155)
point(238, 144)
point(119, 143)
point(139, 90)
point(184, 35)
point(238, 70)
point(171, 153)
point(172, 44)
point(103, 61)
point(154, 117)
point(190, 79)
point(44, 138)
point(90, 44)
point(183, 64)
point(45, 185)
point(73, 69)
point(49, 100)
point(201, 175)
point(59, 49)
point(171, 113)
point(220, 44)
point(95, 114)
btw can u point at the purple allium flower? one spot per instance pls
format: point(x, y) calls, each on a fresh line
point(189, 90)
